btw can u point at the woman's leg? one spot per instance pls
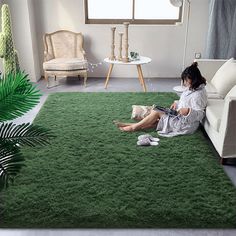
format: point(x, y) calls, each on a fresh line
point(121, 124)
point(148, 122)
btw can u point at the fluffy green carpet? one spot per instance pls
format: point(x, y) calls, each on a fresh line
point(93, 175)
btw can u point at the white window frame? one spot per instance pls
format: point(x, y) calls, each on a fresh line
point(132, 21)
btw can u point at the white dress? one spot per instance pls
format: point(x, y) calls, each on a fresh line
point(196, 100)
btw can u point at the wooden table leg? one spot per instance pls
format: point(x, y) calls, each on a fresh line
point(140, 74)
point(108, 75)
point(139, 77)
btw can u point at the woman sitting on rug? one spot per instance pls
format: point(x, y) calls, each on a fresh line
point(190, 108)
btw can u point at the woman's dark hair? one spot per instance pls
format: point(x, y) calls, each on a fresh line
point(193, 73)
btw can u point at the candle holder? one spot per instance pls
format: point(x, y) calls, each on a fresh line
point(112, 57)
point(126, 44)
point(120, 47)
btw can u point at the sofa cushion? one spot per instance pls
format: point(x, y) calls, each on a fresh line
point(225, 77)
point(212, 91)
point(65, 64)
point(210, 88)
point(214, 112)
point(214, 96)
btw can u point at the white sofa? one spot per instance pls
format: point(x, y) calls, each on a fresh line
point(220, 121)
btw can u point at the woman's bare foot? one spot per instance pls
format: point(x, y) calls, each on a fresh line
point(128, 128)
point(120, 124)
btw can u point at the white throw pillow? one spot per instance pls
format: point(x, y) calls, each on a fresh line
point(225, 77)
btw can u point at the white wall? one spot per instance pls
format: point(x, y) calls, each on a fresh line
point(34, 40)
point(23, 33)
point(163, 43)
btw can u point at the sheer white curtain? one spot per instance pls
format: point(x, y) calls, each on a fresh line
point(221, 38)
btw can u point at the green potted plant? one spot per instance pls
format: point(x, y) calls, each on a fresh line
point(17, 96)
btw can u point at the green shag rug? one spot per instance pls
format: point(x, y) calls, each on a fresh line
point(93, 175)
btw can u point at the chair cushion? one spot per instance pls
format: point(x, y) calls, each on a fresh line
point(65, 64)
point(214, 112)
point(225, 77)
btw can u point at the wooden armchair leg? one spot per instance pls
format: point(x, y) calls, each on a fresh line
point(46, 78)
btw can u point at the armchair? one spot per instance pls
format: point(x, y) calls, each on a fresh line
point(64, 55)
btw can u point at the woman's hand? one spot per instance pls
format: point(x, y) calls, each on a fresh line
point(173, 106)
point(184, 111)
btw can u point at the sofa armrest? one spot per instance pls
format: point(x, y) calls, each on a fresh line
point(228, 124)
point(229, 145)
point(209, 67)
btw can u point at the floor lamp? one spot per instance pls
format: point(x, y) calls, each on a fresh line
point(179, 3)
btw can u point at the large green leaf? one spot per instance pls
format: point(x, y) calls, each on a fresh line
point(17, 96)
point(24, 134)
point(11, 161)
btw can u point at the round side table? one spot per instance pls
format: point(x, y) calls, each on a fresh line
point(137, 63)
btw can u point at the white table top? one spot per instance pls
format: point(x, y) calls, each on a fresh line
point(142, 60)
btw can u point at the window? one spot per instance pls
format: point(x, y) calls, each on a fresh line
point(134, 11)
